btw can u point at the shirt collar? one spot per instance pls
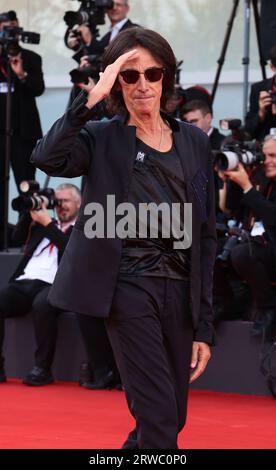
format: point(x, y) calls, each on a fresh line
point(119, 25)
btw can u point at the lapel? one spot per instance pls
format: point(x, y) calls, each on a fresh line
point(123, 151)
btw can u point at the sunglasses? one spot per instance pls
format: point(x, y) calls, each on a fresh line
point(153, 74)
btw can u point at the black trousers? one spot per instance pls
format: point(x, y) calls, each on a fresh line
point(20, 163)
point(97, 345)
point(22, 297)
point(254, 263)
point(151, 333)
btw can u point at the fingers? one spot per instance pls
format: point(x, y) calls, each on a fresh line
point(200, 357)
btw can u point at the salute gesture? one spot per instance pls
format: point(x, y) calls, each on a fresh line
point(107, 79)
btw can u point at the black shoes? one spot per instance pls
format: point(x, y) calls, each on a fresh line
point(3, 377)
point(106, 381)
point(38, 376)
point(265, 323)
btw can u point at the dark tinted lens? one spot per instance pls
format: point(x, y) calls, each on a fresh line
point(154, 74)
point(130, 76)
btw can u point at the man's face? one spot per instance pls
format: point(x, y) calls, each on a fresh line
point(142, 97)
point(118, 12)
point(199, 120)
point(269, 150)
point(8, 24)
point(69, 205)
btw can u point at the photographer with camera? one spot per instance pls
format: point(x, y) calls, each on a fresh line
point(25, 69)
point(255, 259)
point(45, 241)
point(82, 35)
point(262, 111)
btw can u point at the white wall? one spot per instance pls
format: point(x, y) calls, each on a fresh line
point(194, 28)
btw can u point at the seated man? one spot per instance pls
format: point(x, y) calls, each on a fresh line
point(29, 286)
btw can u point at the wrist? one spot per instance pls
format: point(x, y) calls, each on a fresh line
point(22, 76)
point(93, 98)
point(46, 222)
point(247, 188)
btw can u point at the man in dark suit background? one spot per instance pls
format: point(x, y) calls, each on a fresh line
point(45, 240)
point(199, 113)
point(262, 111)
point(27, 83)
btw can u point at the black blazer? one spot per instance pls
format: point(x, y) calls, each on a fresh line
point(258, 130)
point(264, 208)
point(103, 43)
point(29, 88)
point(216, 139)
point(26, 90)
point(105, 152)
point(28, 232)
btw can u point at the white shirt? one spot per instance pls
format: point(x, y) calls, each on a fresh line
point(116, 29)
point(44, 261)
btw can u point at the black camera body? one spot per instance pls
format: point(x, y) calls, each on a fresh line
point(234, 235)
point(273, 97)
point(32, 197)
point(90, 11)
point(228, 157)
point(10, 36)
point(81, 74)
point(236, 148)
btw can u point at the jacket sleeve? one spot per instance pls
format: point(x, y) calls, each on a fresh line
point(67, 148)
point(260, 206)
point(57, 236)
point(205, 330)
point(22, 228)
point(33, 83)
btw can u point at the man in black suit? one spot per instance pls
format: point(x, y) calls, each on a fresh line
point(157, 300)
point(27, 83)
point(261, 116)
point(45, 241)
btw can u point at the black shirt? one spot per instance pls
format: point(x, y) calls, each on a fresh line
point(157, 178)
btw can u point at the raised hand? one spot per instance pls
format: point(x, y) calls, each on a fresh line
point(107, 78)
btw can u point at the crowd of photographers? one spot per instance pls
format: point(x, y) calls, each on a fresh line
point(244, 168)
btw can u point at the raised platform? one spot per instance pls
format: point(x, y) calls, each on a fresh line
point(234, 366)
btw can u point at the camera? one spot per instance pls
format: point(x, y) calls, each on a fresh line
point(33, 197)
point(10, 35)
point(273, 97)
point(229, 156)
point(90, 11)
point(81, 74)
point(236, 148)
point(234, 235)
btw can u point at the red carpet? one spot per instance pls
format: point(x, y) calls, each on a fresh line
point(65, 416)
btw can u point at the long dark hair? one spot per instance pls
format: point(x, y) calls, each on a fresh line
point(159, 49)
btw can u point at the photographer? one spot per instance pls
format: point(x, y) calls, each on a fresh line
point(27, 83)
point(82, 36)
point(255, 260)
point(262, 112)
point(45, 240)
